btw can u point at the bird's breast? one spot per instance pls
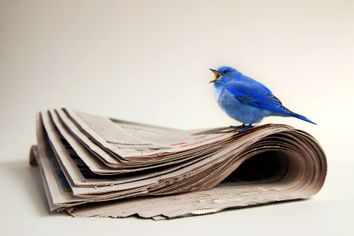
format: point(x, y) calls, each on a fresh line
point(218, 91)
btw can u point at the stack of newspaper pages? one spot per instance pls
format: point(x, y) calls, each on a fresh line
point(97, 166)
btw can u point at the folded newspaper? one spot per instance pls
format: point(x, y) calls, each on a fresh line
point(103, 167)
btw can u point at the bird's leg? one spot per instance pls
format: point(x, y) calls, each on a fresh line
point(237, 127)
point(245, 128)
point(241, 128)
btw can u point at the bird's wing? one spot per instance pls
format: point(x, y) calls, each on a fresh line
point(254, 94)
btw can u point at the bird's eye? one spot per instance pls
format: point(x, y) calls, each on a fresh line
point(225, 71)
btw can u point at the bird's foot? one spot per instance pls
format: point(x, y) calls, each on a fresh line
point(242, 128)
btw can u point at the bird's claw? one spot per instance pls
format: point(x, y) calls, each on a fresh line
point(242, 128)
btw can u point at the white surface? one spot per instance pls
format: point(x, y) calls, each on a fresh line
point(147, 61)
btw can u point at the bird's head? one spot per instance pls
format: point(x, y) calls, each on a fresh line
point(223, 74)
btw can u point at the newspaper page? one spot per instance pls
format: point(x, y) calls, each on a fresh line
point(127, 139)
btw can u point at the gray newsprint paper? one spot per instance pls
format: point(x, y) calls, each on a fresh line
point(103, 167)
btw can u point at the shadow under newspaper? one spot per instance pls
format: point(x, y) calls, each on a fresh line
point(97, 166)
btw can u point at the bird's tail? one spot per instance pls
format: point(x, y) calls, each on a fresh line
point(296, 115)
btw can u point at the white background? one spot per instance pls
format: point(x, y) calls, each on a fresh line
point(148, 61)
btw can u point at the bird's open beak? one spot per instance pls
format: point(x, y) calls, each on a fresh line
point(216, 75)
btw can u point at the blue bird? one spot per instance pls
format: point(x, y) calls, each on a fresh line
point(245, 99)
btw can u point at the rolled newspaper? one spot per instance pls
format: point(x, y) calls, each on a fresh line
point(98, 166)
